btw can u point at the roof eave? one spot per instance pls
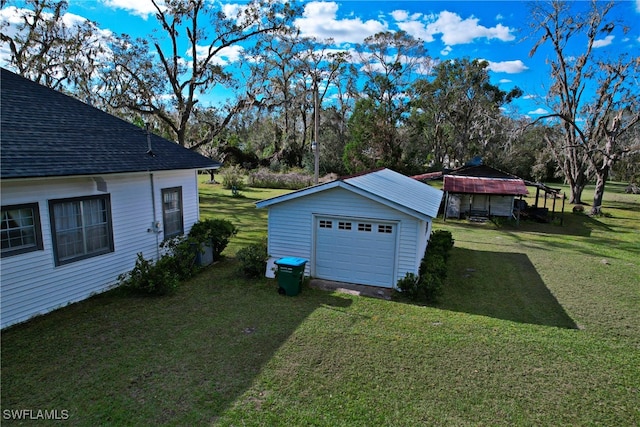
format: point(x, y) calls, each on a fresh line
point(349, 187)
point(298, 193)
point(106, 172)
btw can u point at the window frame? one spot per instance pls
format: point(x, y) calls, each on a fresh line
point(366, 227)
point(37, 226)
point(344, 225)
point(325, 223)
point(164, 212)
point(54, 232)
point(385, 228)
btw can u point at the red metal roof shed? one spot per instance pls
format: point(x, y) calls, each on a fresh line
point(477, 185)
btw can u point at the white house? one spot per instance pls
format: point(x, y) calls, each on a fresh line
point(82, 193)
point(368, 229)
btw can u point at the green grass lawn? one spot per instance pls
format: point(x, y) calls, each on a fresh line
point(538, 325)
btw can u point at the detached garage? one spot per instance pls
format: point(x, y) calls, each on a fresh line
point(369, 229)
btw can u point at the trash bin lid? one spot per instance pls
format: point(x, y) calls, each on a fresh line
point(292, 261)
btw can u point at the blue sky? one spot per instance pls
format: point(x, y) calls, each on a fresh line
point(495, 31)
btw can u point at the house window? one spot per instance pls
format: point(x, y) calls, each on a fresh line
point(344, 225)
point(81, 228)
point(364, 227)
point(21, 230)
point(172, 212)
point(387, 229)
point(325, 224)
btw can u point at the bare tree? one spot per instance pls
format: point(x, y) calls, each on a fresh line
point(593, 126)
point(164, 79)
point(285, 70)
point(53, 49)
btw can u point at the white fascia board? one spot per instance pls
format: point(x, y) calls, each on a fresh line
point(349, 187)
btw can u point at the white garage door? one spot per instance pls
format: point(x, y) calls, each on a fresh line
point(355, 251)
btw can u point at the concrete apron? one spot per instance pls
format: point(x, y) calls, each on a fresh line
point(352, 289)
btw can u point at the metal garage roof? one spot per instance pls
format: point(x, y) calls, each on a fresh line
point(385, 186)
point(400, 189)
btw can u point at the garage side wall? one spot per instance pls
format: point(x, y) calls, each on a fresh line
point(291, 225)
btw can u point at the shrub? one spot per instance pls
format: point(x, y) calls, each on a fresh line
point(233, 178)
point(441, 241)
point(427, 286)
point(179, 260)
point(253, 259)
point(148, 278)
point(433, 272)
point(180, 257)
point(294, 180)
point(213, 232)
point(409, 285)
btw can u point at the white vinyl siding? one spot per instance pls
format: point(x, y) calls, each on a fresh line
point(33, 284)
point(291, 226)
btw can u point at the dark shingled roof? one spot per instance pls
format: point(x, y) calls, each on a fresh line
point(481, 171)
point(46, 133)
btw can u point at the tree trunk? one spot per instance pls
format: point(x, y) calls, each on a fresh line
point(576, 186)
point(601, 179)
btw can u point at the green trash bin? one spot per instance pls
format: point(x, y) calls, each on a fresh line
point(290, 275)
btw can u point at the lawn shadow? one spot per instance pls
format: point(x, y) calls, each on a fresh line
point(574, 224)
point(180, 360)
point(501, 285)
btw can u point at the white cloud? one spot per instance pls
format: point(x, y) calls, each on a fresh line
point(504, 81)
point(12, 15)
point(446, 51)
point(450, 26)
point(417, 30)
point(538, 112)
point(455, 30)
point(141, 8)
point(319, 20)
point(603, 42)
point(400, 15)
point(226, 56)
point(231, 10)
point(638, 6)
point(509, 67)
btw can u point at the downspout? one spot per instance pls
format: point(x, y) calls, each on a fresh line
point(198, 194)
point(155, 227)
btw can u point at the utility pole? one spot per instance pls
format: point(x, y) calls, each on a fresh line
point(316, 122)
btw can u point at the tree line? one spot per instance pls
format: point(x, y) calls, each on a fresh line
point(384, 102)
